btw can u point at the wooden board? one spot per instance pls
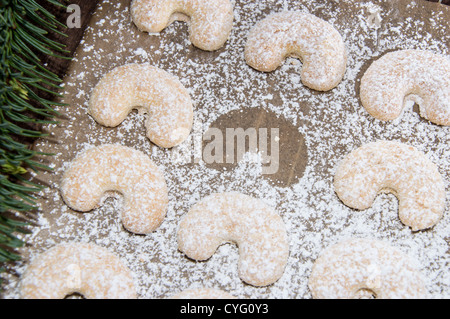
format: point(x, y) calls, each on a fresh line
point(316, 130)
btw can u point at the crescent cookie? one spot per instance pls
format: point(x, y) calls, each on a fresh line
point(203, 293)
point(393, 167)
point(357, 268)
point(292, 33)
point(69, 268)
point(113, 167)
point(151, 90)
point(210, 21)
point(419, 75)
point(255, 227)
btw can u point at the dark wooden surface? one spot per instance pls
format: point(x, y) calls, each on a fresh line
point(447, 2)
point(75, 35)
point(73, 38)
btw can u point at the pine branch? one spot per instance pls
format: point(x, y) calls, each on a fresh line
point(25, 28)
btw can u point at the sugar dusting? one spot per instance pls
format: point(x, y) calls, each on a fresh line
point(233, 217)
point(123, 170)
point(359, 266)
point(72, 267)
point(389, 166)
point(210, 24)
point(419, 75)
point(298, 34)
point(333, 124)
point(152, 91)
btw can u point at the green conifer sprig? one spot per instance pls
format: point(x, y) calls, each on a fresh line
point(25, 29)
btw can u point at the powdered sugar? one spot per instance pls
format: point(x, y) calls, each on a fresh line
point(153, 92)
point(210, 22)
point(233, 217)
point(333, 124)
point(85, 268)
point(408, 74)
point(115, 168)
point(294, 33)
point(386, 166)
point(364, 266)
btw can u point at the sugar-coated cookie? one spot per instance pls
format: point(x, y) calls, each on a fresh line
point(418, 75)
point(364, 268)
point(117, 168)
point(255, 227)
point(387, 166)
point(293, 33)
point(82, 268)
point(150, 90)
point(210, 21)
